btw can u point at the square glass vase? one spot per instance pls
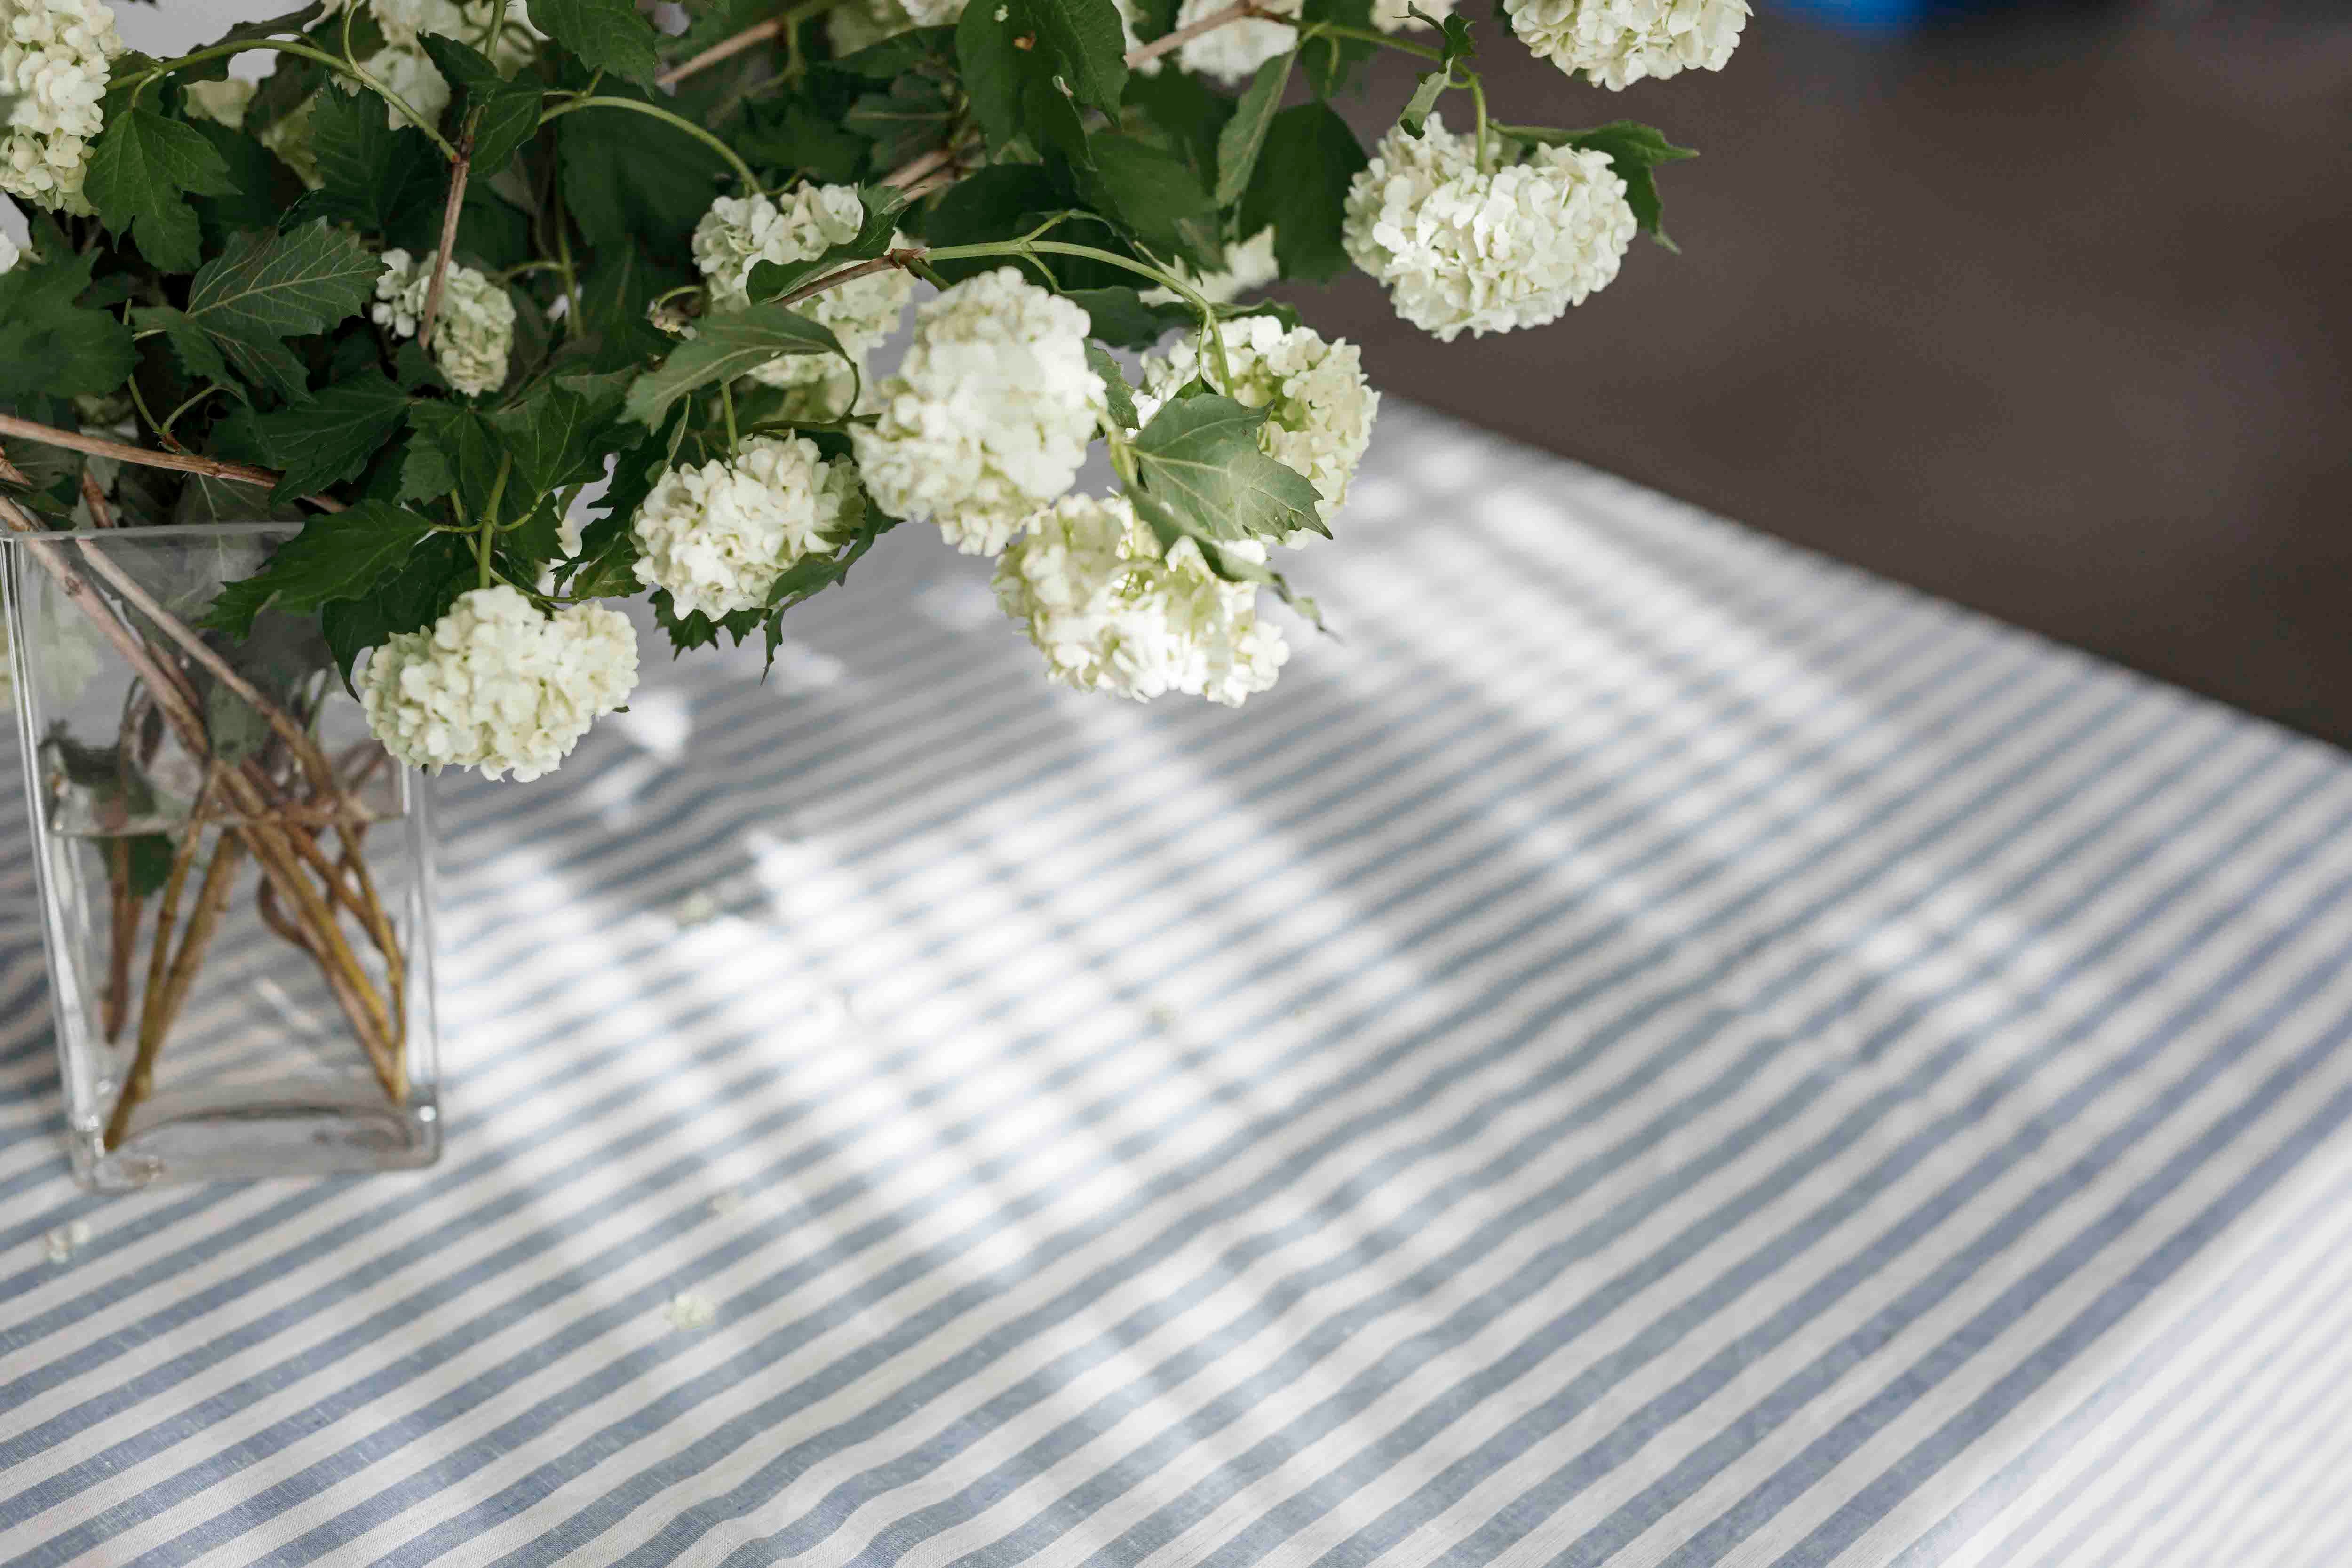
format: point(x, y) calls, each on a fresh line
point(236, 880)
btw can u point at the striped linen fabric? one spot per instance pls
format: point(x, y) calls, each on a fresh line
point(1654, 1050)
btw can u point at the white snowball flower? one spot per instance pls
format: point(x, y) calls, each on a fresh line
point(1233, 52)
point(1322, 408)
point(495, 685)
point(1512, 248)
point(718, 535)
point(56, 57)
point(989, 413)
point(1395, 15)
point(933, 12)
point(474, 332)
point(223, 102)
point(1112, 614)
point(739, 232)
point(1614, 42)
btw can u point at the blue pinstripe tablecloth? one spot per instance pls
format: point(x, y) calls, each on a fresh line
point(1655, 1051)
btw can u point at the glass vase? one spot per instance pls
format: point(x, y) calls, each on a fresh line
point(234, 878)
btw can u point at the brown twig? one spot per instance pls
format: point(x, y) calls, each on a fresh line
point(98, 446)
point(1239, 11)
point(123, 932)
point(168, 980)
point(449, 210)
point(914, 169)
point(726, 48)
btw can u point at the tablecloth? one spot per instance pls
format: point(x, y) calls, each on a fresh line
point(1648, 1048)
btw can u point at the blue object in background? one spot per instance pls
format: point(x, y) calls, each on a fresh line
point(1876, 16)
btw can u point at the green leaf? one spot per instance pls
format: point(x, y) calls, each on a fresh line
point(1454, 42)
point(330, 437)
point(266, 288)
point(267, 28)
point(792, 134)
point(141, 172)
point(1154, 195)
point(265, 187)
point(724, 347)
point(607, 34)
point(1243, 136)
point(910, 119)
point(932, 49)
point(1329, 58)
point(409, 598)
point(380, 180)
point(49, 346)
point(1119, 317)
point(1199, 474)
point(1013, 54)
point(150, 854)
point(509, 110)
point(338, 555)
point(1301, 188)
point(613, 302)
point(558, 433)
point(453, 453)
point(1414, 117)
point(1185, 113)
point(631, 180)
point(1633, 150)
point(1121, 399)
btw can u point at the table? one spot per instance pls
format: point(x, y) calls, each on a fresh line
point(1654, 1049)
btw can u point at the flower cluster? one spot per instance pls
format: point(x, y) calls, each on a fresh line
point(1321, 408)
point(223, 102)
point(499, 686)
point(1249, 267)
point(1459, 246)
point(1617, 42)
point(1233, 52)
point(56, 57)
point(500, 29)
point(989, 414)
point(474, 332)
point(1112, 613)
point(718, 535)
point(740, 232)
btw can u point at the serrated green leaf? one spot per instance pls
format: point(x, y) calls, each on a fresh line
point(1301, 189)
point(408, 598)
point(557, 434)
point(724, 347)
point(910, 118)
point(266, 288)
point(338, 555)
point(330, 437)
point(630, 179)
point(51, 346)
point(1017, 58)
point(1119, 317)
point(377, 179)
point(793, 134)
point(1185, 111)
point(607, 34)
point(1117, 394)
point(265, 187)
point(1244, 137)
point(1154, 195)
point(452, 453)
point(504, 114)
point(290, 22)
point(143, 169)
point(1199, 474)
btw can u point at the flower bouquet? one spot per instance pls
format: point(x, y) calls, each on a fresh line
point(337, 409)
